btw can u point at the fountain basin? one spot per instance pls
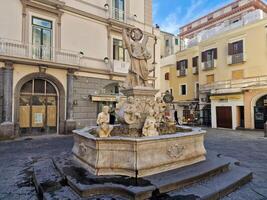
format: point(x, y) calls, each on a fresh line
point(140, 156)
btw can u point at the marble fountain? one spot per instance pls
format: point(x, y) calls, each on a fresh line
point(145, 156)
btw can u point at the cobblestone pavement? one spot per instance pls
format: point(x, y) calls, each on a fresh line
point(16, 158)
point(250, 148)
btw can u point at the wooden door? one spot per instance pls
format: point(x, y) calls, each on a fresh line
point(224, 117)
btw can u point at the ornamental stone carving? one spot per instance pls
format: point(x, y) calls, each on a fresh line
point(82, 149)
point(151, 125)
point(175, 151)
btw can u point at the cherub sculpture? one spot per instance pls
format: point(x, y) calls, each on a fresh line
point(160, 108)
point(139, 71)
point(104, 128)
point(150, 126)
point(131, 114)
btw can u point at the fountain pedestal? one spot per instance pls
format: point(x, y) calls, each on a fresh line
point(146, 92)
point(138, 157)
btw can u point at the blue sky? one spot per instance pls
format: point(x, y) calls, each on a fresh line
point(172, 14)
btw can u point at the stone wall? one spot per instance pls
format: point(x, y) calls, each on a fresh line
point(85, 111)
point(1, 94)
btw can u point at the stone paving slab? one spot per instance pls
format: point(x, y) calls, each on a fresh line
point(17, 158)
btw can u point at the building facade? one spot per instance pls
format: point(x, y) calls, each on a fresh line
point(61, 61)
point(226, 58)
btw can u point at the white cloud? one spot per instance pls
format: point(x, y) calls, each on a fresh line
point(180, 16)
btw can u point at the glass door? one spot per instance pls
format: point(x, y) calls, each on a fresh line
point(41, 38)
point(118, 9)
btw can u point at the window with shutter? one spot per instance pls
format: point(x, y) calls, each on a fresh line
point(195, 65)
point(214, 53)
point(177, 65)
point(235, 50)
point(204, 56)
point(195, 61)
point(183, 67)
point(208, 58)
point(230, 49)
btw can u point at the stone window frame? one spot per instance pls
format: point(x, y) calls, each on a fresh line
point(29, 7)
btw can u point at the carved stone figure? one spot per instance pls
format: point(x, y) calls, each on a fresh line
point(139, 71)
point(150, 126)
point(131, 114)
point(160, 108)
point(104, 129)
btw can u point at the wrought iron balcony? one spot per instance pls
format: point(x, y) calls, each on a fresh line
point(208, 65)
point(237, 58)
point(235, 84)
point(118, 14)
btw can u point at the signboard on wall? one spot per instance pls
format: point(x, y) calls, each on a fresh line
point(38, 118)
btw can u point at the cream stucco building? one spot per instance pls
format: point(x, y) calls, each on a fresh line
point(61, 61)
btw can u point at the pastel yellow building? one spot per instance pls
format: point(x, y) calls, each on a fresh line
point(230, 55)
point(62, 60)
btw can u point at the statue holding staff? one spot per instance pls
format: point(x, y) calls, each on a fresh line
point(139, 71)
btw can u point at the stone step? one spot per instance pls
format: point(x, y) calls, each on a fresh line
point(86, 184)
point(65, 178)
point(216, 187)
point(174, 179)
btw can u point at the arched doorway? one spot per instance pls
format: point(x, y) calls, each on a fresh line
point(38, 107)
point(260, 112)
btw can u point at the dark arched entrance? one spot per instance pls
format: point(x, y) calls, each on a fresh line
point(39, 105)
point(260, 112)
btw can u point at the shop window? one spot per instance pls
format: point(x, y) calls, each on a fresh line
point(186, 114)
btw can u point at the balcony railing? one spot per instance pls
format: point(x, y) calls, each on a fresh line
point(121, 66)
point(195, 69)
point(237, 58)
point(118, 14)
point(210, 64)
point(236, 84)
point(38, 52)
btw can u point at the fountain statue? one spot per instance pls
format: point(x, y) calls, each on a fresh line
point(146, 141)
point(139, 71)
point(103, 118)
